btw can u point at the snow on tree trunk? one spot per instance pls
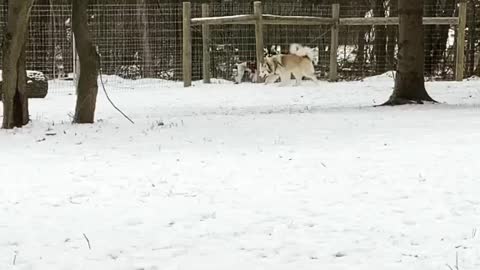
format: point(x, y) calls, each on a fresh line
point(87, 87)
point(409, 81)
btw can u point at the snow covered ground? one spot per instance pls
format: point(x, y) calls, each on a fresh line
point(245, 177)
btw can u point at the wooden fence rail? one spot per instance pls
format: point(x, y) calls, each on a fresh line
point(335, 22)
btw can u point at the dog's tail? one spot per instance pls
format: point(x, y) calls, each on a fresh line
point(302, 51)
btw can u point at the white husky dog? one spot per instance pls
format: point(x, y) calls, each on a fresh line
point(299, 63)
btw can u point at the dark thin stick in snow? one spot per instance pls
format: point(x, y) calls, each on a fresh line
point(15, 258)
point(456, 262)
point(105, 90)
point(111, 102)
point(88, 241)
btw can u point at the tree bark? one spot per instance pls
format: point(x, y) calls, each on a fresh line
point(37, 86)
point(87, 87)
point(445, 8)
point(409, 82)
point(360, 59)
point(360, 11)
point(392, 33)
point(15, 99)
point(429, 37)
point(472, 30)
point(380, 39)
point(142, 14)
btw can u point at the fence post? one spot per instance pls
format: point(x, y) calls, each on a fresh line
point(460, 57)
point(187, 44)
point(333, 74)
point(206, 45)
point(257, 7)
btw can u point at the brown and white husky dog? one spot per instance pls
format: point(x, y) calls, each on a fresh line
point(298, 62)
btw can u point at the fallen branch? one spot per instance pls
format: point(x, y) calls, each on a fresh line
point(456, 264)
point(88, 241)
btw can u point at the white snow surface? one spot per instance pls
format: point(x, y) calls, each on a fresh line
point(243, 177)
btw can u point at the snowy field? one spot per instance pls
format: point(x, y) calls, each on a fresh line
point(245, 177)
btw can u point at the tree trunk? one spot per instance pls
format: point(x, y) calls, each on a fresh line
point(52, 41)
point(87, 87)
point(409, 82)
point(15, 99)
point(472, 27)
point(440, 55)
point(429, 37)
point(147, 52)
point(37, 86)
point(360, 59)
point(392, 33)
point(380, 39)
point(362, 31)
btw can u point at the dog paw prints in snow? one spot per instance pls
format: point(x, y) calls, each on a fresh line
point(147, 268)
point(134, 221)
point(79, 199)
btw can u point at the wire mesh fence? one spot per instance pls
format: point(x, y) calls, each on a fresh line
point(363, 50)
point(134, 42)
point(139, 41)
point(315, 37)
point(232, 44)
point(369, 50)
point(473, 45)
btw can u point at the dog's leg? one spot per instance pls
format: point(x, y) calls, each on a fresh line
point(312, 77)
point(285, 77)
point(271, 78)
point(298, 77)
point(311, 74)
point(255, 76)
point(241, 68)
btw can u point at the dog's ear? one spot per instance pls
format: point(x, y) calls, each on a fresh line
point(272, 50)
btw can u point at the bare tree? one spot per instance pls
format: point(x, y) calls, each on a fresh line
point(14, 94)
point(410, 82)
point(87, 87)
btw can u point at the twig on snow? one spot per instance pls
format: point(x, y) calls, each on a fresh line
point(456, 263)
point(88, 241)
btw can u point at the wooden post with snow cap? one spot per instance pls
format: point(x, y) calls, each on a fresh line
point(258, 12)
point(460, 56)
point(206, 45)
point(187, 44)
point(333, 73)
